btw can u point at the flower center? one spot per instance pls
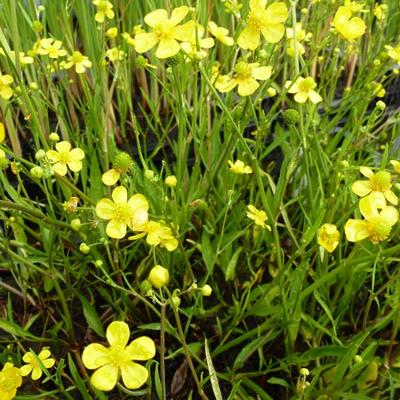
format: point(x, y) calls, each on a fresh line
point(255, 21)
point(379, 230)
point(243, 70)
point(64, 157)
point(164, 30)
point(118, 356)
point(381, 181)
point(307, 85)
point(123, 213)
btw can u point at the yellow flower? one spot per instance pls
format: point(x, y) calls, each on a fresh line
point(111, 176)
point(220, 33)
point(23, 59)
point(301, 36)
point(378, 184)
point(5, 81)
point(117, 360)
point(33, 366)
point(328, 237)
point(52, 48)
point(158, 234)
point(158, 277)
point(377, 225)
point(10, 381)
point(195, 45)
point(103, 9)
point(80, 61)
point(112, 33)
point(304, 90)
point(122, 212)
point(258, 216)
point(380, 11)
point(396, 165)
point(166, 32)
point(63, 156)
point(115, 54)
point(394, 53)
point(239, 167)
point(349, 28)
point(266, 21)
point(355, 6)
point(245, 78)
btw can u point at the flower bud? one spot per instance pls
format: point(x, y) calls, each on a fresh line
point(112, 33)
point(380, 105)
point(304, 371)
point(290, 116)
point(176, 301)
point(71, 204)
point(158, 277)
point(123, 162)
point(98, 263)
point(271, 92)
point(84, 248)
point(171, 181)
point(76, 224)
point(36, 172)
point(206, 290)
point(358, 359)
point(54, 137)
point(40, 155)
point(37, 26)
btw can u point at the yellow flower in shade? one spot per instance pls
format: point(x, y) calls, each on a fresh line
point(194, 47)
point(5, 81)
point(245, 78)
point(380, 11)
point(158, 234)
point(10, 381)
point(355, 6)
point(301, 36)
point(166, 32)
point(377, 224)
point(123, 213)
point(303, 88)
point(266, 21)
point(348, 27)
point(118, 359)
point(80, 61)
point(158, 277)
point(32, 365)
point(394, 53)
point(239, 167)
point(220, 33)
point(396, 165)
point(52, 48)
point(23, 59)
point(63, 156)
point(103, 9)
point(328, 237)
point(258, 216)
point(379, 184)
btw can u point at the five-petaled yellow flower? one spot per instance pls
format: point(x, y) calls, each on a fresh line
point(348, 27)
point(103, 9)
point(158, 234)
point(80, 61)
point(220, 33)
point(245, 78)
point(10, 381)
point(258, 216)
point(377, 224)
point(118, 359)
point(123, 213)
point(63, 156)
point(303, 88)
point(51, 47)
point(32, 365)
point(266, 21)
point(5, 81)
point(166, 32)
point(378, 184)
point(239, 167)
point(328, 237)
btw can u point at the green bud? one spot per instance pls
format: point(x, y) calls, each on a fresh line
point(40, 155)
point(358, 359)
point(84, 248)
point(290, 117)
point(37, 172)
point(158, 277)
point(54, 137)
point(37, 26)
point(76, 224)
point(206, 290)
point(176, 301)
point(98, 263)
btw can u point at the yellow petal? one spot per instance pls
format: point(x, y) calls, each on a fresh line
point(390, 214)
point(262, 73)
point(178, 14)
point(118, 333)
point(142, 349)
point(249, 39)
point(36, 373)
point(28, 358)
point(273, 33)
point(116, 229)
point(145, 41)
point(140, 206)
point(45, 353)
point(247, 87)
point(157, 17)
point(2, 132)
point(120, 195)
point(343, 14)
point(276, 13)
point(391, 197)
point(75, 165)
point(110, 177)
point(63, 146)
point(134, 375)
point(105, 378)
point(361, 188)
point(356, 229)
point(301, 97)
point(167, 47)
point(6, 92)
point(53, 155)
point(369, 205)
point(314, 97)
point(26, 369)
point(185, 32)
point(366, 171)
point(225, 84)
point(171, 243)
point(49, 362)
point(77, 154)
point(105, 209)
point(60, 168)
point(95, 356)
point(354, 29)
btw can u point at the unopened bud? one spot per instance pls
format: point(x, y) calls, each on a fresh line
point(158, 277)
